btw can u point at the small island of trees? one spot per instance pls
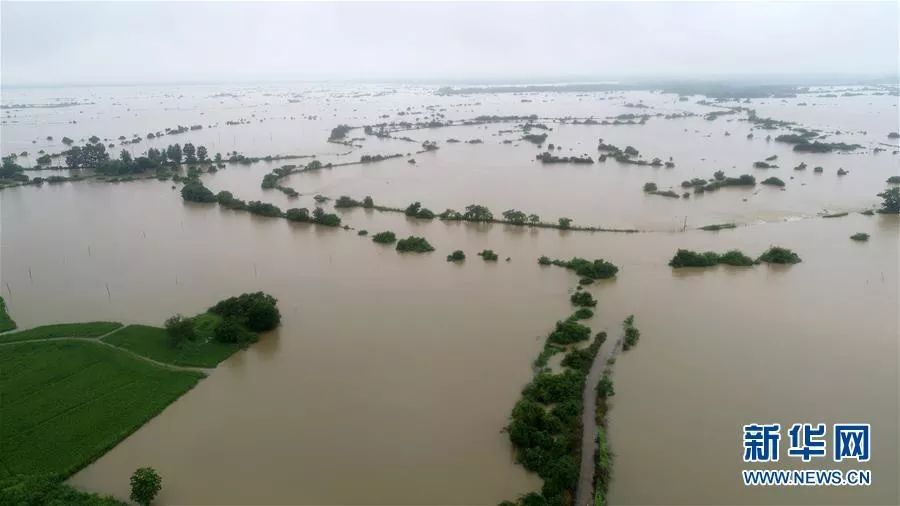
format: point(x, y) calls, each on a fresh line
point(414, 244)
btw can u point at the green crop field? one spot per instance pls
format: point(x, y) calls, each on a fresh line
point(85, 329)
point(155, 343)
point(65, 403)
point(6, 322)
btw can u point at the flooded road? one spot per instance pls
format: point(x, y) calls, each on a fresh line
point(392, 376)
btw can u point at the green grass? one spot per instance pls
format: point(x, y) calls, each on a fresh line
point(6, 322)
point(155, 343)
point(65, 403)
point(85, 329)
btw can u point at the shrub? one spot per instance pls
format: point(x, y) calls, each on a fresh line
point(345, 201)
point(597, 269)
point(456, 256)
point(363, 232)
point(632, 334)
point(583, 313)
point(773, 181)
point(650, 187)
point(736, 258)
point(425, 214)
point(488, 255)
point(779, 255)
point(688, 258)
point(893, 180)
point(264, 209)
point(327, 219)
point(297, 214)
point(387, 237)
point(257, 311)
point(414, 244)
point(583, 299)
point(569, 332)
point(368, 203)
point(543, 260)
point(860, 236)
point(194, 191)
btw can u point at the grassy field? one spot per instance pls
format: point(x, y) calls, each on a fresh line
point(155, 343)
point(6, 322)
point(65, 403)
point(85, 329)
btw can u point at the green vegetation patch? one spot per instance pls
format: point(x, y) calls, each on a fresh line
point(156, 344)
point(6, 321)
point(85, 329)
point(688, 258)
point(594, 269)
point(34, 490)
point(860, 236)
point(779, 255)
point(387, 237)
point(414, 244)
point(65, 403)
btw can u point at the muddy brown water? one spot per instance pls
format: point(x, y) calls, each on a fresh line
point(392, 375)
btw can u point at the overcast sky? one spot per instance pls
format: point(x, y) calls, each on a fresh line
point(57, 43)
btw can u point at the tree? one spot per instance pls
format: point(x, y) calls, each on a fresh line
point(890, 201)
point(180, 329)
point(125, 156)
point(145, 484)
point(477, 212)
point(202, 154)
point(10, 168)
point(190, 153)
point(534, 219)
point(173, 152)
point(515, 217)
point(413, 209)
point(565, 223)
point(218, 158)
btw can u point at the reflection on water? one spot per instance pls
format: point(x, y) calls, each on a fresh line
point(392, 375)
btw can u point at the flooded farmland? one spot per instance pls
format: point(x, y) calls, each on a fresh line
point(392, 376)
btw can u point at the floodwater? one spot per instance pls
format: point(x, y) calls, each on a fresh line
point(392, 376)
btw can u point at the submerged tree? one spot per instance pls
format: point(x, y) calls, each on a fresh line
point(145, 484)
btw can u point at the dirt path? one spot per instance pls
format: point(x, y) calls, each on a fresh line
point(584, 493)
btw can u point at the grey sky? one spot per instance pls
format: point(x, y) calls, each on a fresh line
point(166, 42)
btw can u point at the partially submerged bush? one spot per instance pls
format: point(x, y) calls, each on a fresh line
point(583, 313)
point(597, 269)
point(632, 334)
point(569, 332)
point(297, 214)
point(194, 191)
point(488, 255)
point(456, 256)
point(773, 181)
point(860, 236)
point(779, 255)
point(583, 299)
point(386, 237)
point(414, 244)
point(688, 258)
